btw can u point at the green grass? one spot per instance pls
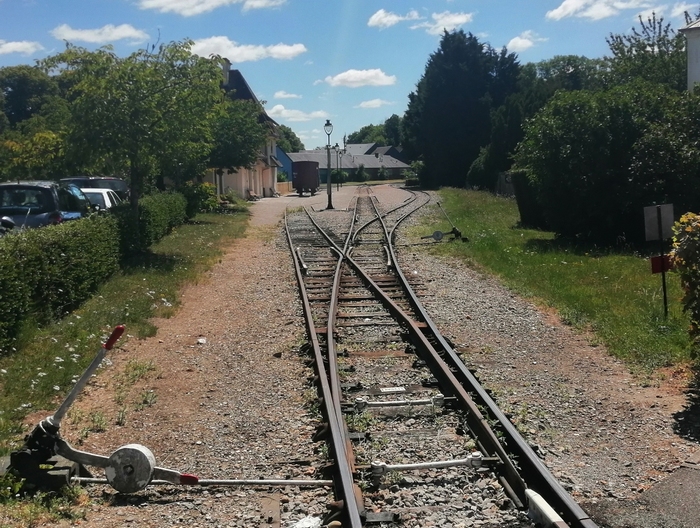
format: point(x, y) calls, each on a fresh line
point(48, 361)
point(612, 293)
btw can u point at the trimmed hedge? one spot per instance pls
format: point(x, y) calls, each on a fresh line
point(157, 215)
point(44, 273)
point(47, 272)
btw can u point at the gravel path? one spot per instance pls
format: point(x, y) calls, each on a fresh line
point(229, 390)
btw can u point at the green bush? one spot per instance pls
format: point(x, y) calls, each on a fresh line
point(360, 174)
point(50, 271)
point(596, 159)
point(157, 215)
point(201, 197)
point(530, 211)
point(685, 257)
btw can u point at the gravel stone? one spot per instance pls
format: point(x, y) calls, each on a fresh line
point(232, 394)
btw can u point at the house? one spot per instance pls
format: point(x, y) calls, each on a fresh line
point(260, 179)
point(360, 149)
point(394, 152)
point(692, 46)
point(285, 162)
point(349, 160)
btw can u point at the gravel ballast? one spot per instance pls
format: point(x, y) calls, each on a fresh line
point(232, 391)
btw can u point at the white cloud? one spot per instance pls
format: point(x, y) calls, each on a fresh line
point(108, 33)
point(197, 7)
point(25, 47)
point(373, 103)
point(358, 78)
point(444, 21)
point(284, 95)
point(235, 52)
point(280, 112)
point(647, 13)
point(524, 41)
point(680, 8)
point(595, 9)
point(384, 19)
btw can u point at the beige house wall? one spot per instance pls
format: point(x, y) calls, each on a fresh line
point(260, 180)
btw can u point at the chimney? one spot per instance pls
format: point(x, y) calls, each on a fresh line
point(226, 67)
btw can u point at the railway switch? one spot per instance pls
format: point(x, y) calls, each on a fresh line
point(47, 461)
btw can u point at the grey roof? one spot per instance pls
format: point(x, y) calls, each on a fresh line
point(358, 149)
point(370, 161)
point(692, 25)
point(242, 91)
point(347, 161)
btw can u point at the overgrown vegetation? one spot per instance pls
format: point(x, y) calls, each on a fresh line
point(67, 504)
point(611, 292)
point(49, 360)
point(686, 260)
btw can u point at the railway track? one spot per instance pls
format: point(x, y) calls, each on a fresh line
point(412, 435)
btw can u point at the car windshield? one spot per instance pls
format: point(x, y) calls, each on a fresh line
point(115, 185)
point(32, 200)
point(96, 198)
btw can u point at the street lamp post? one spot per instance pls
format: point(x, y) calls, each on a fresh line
point(337, 166)
point(328, 128)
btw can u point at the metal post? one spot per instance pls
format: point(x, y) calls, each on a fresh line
point(328, 129)
point(340, 170)
point(328, 176)
point(663, 260)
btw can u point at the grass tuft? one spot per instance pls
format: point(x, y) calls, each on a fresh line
point(608, 291)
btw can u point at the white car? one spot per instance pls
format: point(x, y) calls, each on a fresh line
point(102, 199)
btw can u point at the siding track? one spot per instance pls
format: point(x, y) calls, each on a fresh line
point(412, 435)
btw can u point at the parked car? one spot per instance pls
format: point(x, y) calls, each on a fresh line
point(118, 185)
point(42, 203)
point(101, 199)
point(6, 225)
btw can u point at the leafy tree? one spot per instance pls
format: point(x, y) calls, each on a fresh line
point(33, 117)
point(134, 111)
point(386, 134)
point(570, 72)
point(392, 131)
point(654, 52)
point(447, 121)
point(597, 158)
point(537, 83)
point(25, 90)
point(238, 135)
point(368, 134)
point(288, 140)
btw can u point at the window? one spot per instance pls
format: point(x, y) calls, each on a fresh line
point(96, 198)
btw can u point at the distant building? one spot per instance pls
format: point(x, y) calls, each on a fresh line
point(692, 46)
point(351, 158)
point(261, 179)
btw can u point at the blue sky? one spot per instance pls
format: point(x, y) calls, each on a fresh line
point(351, 61)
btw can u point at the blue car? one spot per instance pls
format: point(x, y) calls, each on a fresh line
point(41, 203)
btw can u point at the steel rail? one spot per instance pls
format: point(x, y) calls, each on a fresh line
point(442, 371)
point(440, 368)
point(408, 201)
point(344, 471)
point(539, 478)
point(332, 356)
